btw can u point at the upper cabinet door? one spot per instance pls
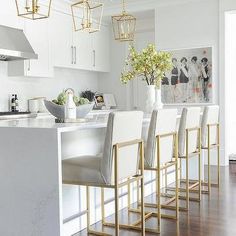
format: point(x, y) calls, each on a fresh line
point(101, 50)
point(37, 33)
point(62, 40)
point(82, 42)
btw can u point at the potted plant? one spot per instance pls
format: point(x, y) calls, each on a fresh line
point(150, 65)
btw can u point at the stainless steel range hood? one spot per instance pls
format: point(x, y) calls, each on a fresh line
point(14, 45)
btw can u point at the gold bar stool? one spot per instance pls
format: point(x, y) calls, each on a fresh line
point(161, 154)
point(118, 167)
point(211, 140)
point(189, 138)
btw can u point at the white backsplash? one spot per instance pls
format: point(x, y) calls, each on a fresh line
point(26, 87)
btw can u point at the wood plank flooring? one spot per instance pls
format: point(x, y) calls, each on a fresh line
point(214, 216)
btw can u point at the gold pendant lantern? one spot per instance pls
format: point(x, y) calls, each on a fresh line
point(124, 26)
point(87, 15)
point(33, 9)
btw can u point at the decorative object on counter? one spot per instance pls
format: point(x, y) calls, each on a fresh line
point(33, 105)
point(14, 103)
point(150, 65)
point(33, 9)
point(61, 99)
point(190, 79)
point(59, 110)
point(88, 94)
point(57, 106)
point(99, 100)
point(109, 101)
point(62, 121)
point(124, 25)
point(70, 107)
point(36, 105)
point(87, 15)
point(105, 101)
point(42, 108)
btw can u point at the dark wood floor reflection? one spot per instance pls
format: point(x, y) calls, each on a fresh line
point(214, 216)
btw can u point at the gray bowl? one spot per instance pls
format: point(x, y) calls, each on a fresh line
point(59, 111)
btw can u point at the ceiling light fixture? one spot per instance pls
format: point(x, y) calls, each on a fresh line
point(124, 25)
point(87, 15)
point(33, 9)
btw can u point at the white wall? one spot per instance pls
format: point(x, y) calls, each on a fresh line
point(190, 25)
point(110, 82)
point(47, 87)
point(225, 99)
point(230, 61)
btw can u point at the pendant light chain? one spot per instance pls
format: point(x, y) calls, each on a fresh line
point(123, 5)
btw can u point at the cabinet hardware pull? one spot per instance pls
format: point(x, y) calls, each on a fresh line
point(94, 58)
point(29, 65)
point(72, 55)
point(75, 48)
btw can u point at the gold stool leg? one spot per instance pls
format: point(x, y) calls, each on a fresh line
point(218, 155)
point(116, 193)
point(176, 179)
point(158, 186)
point(187, 177)
point(199, 166)
point(88, 208)
point(208, 160)
point(102, 205)
point(142, 191)
point(117, 211)
point(128, 186)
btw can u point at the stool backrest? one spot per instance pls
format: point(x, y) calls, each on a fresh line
point(163, 121)
point(190, 119)
point(122, 127)
point(210, 117)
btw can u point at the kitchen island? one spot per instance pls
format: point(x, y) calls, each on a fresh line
point(33, 200)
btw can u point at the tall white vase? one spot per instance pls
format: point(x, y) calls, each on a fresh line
point(150, 98)
point(158, 103)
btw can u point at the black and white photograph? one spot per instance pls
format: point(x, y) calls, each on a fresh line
point(190, 79)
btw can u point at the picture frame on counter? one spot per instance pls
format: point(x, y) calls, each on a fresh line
point(191, 80)
point(99, 100)
point(105, 101)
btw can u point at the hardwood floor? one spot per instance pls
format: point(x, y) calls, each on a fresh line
point(214, 216)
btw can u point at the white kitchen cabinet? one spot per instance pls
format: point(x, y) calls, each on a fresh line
point(78, 50)
point(37, 32)
point(70, 49)
point(61, 35)
point(83, 50)
point(101, 50)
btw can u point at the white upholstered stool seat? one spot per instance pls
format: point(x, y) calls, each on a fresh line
point(83, 169)
point(116, 167)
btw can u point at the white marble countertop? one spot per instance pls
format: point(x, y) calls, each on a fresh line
point(93, 121)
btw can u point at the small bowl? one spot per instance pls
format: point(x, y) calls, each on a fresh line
point(59, 111)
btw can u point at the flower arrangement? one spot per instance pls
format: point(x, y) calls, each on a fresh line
point(149, 64)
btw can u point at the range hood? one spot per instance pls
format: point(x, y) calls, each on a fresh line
point(14, 45)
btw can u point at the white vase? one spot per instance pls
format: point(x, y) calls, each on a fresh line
point(158, 103)
point(150, 98)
